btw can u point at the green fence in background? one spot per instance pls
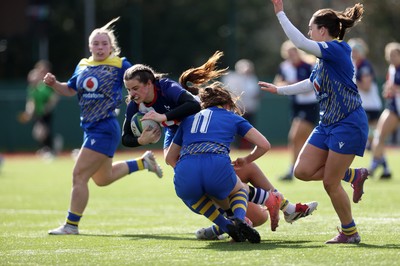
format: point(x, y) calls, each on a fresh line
point(272, 120)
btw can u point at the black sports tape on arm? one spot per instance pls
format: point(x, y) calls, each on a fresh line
point(187, 106)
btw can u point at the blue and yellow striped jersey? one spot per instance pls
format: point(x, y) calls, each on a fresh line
point(99, 87)
point(333, 78)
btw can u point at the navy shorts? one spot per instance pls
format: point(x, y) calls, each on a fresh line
point(347, 136)
point(307, 112)
point(373, 115)
point(104, 137)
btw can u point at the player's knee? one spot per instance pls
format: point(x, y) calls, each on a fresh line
point(257, 214)
point(330, 187)
point(301, 173)
point(101, 181)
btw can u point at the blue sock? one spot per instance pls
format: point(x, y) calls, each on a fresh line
point(206, 207)
point(349, 229)
point(135, 165)
point(238, 202)
point(73, 218)
point(384, 164)
point(350, 175)
point(376, 162)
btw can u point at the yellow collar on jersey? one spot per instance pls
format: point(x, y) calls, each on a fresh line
point(110, 61)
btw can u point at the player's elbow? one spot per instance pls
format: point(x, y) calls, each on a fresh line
point(124, 141)
point(265, 145)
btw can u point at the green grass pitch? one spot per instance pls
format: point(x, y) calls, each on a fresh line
point(140, 221)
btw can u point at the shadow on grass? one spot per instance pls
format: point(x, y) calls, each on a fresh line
point(226, 245)
point(299, 244)
point(147, 236)
point(265, 244)
point(384, 246)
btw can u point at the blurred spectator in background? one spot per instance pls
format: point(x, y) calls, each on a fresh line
point(243, 82)
point(296, 67)
point(40, 104)
point(366, 83)
point(390, 117)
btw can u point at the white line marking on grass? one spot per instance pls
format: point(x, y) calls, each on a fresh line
point(26, 211)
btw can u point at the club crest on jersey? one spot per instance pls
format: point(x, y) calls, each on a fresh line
point(90, 84)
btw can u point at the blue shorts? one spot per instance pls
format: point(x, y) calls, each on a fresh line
point(103, 137)
point(347, 136)
point(200, 174)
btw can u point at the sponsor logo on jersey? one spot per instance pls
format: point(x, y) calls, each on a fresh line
point(90, 84)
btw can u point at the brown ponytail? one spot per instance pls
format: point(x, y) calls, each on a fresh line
point(337, 22)
point(203, 74)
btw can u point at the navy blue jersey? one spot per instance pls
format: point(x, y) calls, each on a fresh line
point(364, 68)
point(167, 93)
point(333, 78)
point(212, 125)
point(99, 88)
point(293, 74)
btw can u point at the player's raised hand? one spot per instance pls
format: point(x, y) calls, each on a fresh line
point(278, 5)
point(49, 79)
point(265, 86)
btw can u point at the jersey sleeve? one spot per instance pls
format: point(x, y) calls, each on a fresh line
point(125, 64)
point(71, 83)
point(178, 137)
point(332, 51)
point(173, 91)
point(128, 139)
point(243, 126)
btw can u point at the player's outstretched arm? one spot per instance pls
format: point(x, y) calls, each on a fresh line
point(269, 87)
point(60, 87)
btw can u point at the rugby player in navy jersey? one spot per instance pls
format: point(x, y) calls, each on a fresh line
point(160, 98)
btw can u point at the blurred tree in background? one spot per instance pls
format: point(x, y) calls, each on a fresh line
point(169, 35)
point(172, 35)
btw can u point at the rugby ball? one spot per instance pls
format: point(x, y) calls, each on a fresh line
point(137, 126)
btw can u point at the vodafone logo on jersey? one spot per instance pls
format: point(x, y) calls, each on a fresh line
point(90, 84)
